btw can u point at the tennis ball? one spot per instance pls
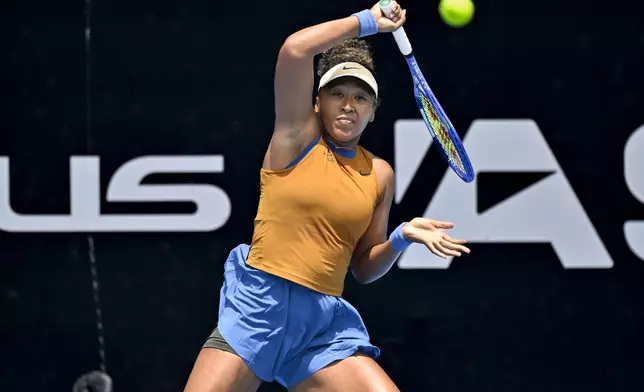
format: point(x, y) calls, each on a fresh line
point(456, 13)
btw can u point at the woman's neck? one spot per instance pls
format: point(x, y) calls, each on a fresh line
point(349, 145)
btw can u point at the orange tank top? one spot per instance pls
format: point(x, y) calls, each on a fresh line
point(310, 217)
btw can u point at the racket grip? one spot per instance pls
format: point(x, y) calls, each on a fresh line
point(399, 35)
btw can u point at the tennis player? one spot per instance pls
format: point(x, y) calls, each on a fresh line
point(323, 210)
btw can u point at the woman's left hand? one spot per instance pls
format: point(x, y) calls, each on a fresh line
point(428, 232)
point(391, 22)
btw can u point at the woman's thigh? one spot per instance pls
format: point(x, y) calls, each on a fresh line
point(355, 373)
point(221, 371)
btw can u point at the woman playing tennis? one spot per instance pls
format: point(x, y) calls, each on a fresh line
point(323, 210)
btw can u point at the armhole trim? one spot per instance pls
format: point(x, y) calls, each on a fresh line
point(379, 188)
point(304, 153)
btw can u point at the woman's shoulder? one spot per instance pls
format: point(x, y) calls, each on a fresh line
point(382, 171)
point(378, 163)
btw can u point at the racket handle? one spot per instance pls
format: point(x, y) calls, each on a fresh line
point(399, 35)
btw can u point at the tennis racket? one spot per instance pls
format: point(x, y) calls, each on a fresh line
point(435, 118)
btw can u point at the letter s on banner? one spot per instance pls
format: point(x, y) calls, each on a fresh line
point(634, 175)
point(212, 203)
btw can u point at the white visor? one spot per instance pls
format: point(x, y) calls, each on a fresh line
point(350, 69)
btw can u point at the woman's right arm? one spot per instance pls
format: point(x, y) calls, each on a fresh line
point(295, 121)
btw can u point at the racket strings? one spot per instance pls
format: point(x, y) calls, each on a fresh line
point(439, 129)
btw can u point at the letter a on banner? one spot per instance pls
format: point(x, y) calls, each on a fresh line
point(548, 211)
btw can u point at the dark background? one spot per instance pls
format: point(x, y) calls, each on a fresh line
point(195, 77)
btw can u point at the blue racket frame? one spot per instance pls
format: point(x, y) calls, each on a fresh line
point(420, 83)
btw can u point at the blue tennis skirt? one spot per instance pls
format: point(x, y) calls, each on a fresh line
point(283, 331)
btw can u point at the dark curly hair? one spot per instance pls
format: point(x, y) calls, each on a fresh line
point(353, 49)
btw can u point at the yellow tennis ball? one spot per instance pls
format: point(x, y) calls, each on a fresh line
point(456, 13)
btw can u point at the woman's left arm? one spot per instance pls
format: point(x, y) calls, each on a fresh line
point(375, 253)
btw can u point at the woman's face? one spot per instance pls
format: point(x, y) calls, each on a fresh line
point(345, 107)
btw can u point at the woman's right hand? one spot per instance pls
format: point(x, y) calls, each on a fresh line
point(391, 22)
